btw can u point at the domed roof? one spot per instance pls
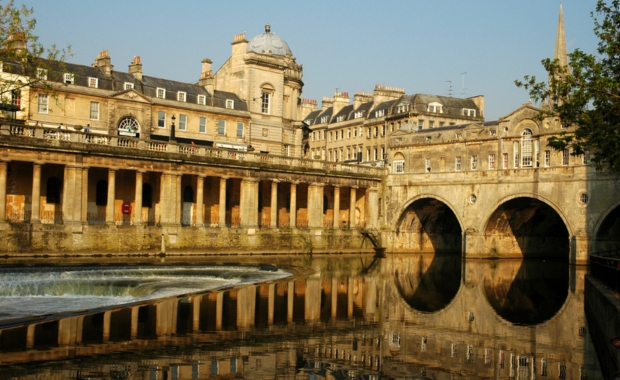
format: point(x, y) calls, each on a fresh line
point(268, 43)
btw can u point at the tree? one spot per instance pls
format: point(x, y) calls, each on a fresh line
point(25, 62)
point(586, 93)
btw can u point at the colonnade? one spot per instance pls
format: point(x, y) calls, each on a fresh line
point(139, 196)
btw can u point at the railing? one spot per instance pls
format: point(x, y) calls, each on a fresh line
point(605, 267)
point(91, 138)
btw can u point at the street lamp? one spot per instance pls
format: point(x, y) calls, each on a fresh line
point(172, 132)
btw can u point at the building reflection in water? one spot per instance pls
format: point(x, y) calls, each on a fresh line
point(409, 316)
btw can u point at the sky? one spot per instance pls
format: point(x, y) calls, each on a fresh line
point(459, 48)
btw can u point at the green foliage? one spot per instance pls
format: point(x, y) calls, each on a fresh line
point(586, 94)
point(22, 54)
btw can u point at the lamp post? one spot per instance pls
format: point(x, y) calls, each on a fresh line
point(172, 135)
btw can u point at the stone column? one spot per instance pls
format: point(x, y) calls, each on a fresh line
point(222, 222)
point(219, 303)
point(109, 215)
point(334, 297)
point(271, 303)
point(84, 216)
point(35, 214)
point(315, 205)
point(169, 198)
point(372, 207)
point(134, 322)
point(352, 208)
point(178, 210)
point(293, 207)
point(249, 203)
point(274, 204)
point(336, 207)
point(68, 194)
point(290, 301)
point(3, 174)
point(200, 186)
point(106, 326)
point(137, 206)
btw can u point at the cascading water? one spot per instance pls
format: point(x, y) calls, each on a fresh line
point(28, 292)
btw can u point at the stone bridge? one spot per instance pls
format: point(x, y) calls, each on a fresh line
point(534, 212)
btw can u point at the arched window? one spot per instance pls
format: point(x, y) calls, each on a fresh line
point(188, 194)
point(267, 91)
point(398, 164)
point(128, 126)
point(147, 195)
point(526, 148)
point(53, 191)
point(101, 196)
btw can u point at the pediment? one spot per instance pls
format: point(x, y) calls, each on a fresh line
point(474, 128)
point(131, 95)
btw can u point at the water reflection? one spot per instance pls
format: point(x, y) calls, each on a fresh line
point(428, 282)
point(342, 319)
point(526, 292)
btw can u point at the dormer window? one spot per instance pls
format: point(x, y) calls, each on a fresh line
point(93, 82)
point(323, 119)
point(379, 113)
point(160, 93)
point(128, 86)
point(402, 108)
point(469, 112)
point(68, 78)
point(340, 118)
point(181, 96)
point(202, 100)
point(230, 104)
point(358, 114)
point(435, 107)
point(41, 73)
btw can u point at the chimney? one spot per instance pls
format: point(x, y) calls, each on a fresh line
point(385, 93)
point(135, 68)
point(479, 102)
point(341, 100)
point(360, 98)
point(206, 76)
point(104, 63)
point(326, 103)
point(308, 106)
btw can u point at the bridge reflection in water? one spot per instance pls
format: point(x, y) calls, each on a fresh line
point(414, 316)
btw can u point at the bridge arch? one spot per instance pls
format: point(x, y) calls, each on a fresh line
point(527, 225)
point(428, 223)
point(607, 229)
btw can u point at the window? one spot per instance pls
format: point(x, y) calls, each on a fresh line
point(586, 157)
point(427, 164)
point(128, 86)
point(202, 100)
point(565, 157)
point(491, 161)
point(230, 104)
point(431, 124)
point(375, 154)
point(265, 102)
point(221, 127)
point(239, 129)
point(323, 119)
point(340, 118)
point(42, 74)
point(68, 78)
point(42, 103)
point(16, 98)
point(349, 133)
point(526, 148)
point(160, 93)
point(376, 132)
point(181, 96)
point(329, 136)
point(161, 119)
point(287, 150)
point(94, 110)
point(442, 123)
point(474, 162)
point(383, 130)
point(435, 107)
point(547, 158)
point(182, 122)
point(420, 124)
point(354, 132)
point(515, 149)
point(379, 113)
point(358, 114)
point(469, 112)
point(399, 166)
point(504, 160)
point(93, 82)
point(202, 125)
point(457, 163)
point(342, 134)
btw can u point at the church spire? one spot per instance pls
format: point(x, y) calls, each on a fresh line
point(560, 42)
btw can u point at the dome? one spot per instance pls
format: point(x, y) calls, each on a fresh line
point(268, 43)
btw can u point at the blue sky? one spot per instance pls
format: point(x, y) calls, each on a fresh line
point(343, 45)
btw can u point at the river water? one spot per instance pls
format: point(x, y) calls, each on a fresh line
point(306, 317)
